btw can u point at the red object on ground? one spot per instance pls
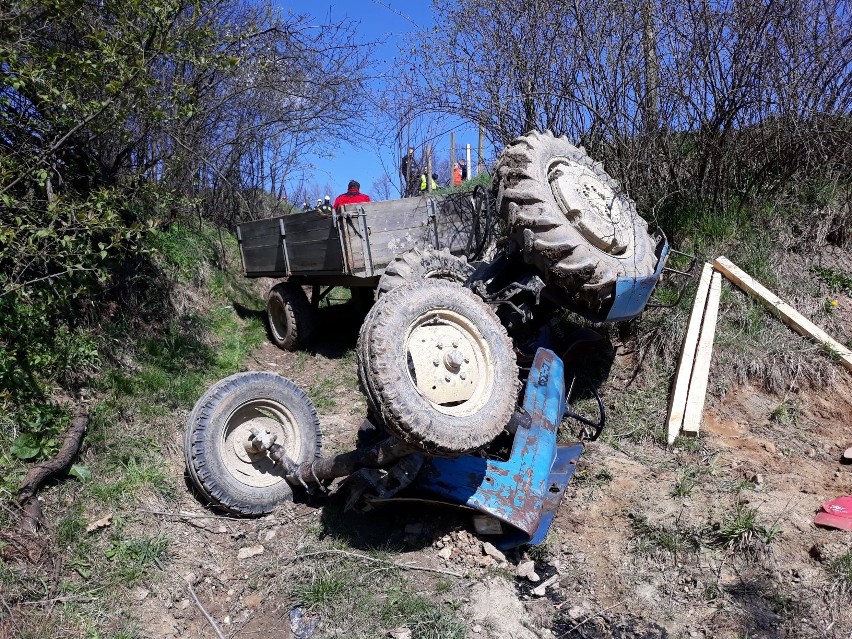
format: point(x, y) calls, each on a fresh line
point(836, 513)
point(351, 197)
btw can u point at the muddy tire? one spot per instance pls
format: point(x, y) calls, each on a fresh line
point(225, 474)
point(438, 368)
point(423, 264)
point(569, 218)
point(289, 317)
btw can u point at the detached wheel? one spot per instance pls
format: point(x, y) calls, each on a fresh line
point(230, 477)
point(290, 317)
point(438, 368)
point(423, 264)
point(570, 218)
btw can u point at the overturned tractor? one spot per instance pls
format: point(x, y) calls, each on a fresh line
point(456, 357)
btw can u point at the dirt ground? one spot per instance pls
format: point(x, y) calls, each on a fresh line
point(637, 548)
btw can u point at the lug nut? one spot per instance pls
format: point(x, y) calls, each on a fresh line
point(436, 362)
point(447, 378)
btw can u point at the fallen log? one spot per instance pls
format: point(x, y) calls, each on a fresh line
point(27, 499)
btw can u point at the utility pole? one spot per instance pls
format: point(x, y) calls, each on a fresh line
point(428, 169)
point(452, 153)
point(480, 165)
point(467, 165)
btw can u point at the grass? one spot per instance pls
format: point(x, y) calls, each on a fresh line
point(840, 570)
point(592, 483)
point(343, 592)
point(740, 531)
point(649, 538)
point(687, 480)
point(151, 375)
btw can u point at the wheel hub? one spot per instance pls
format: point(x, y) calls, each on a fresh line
point(591, 204)
point(448, 362)
point(243, 460)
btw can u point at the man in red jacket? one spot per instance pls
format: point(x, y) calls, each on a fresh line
point(352, 196)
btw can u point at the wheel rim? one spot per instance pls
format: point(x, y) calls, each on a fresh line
point(448, 362)
point(257, 469)
point(278, 321)
point(592, 205)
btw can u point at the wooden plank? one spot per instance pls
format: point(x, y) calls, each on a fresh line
point(677, 405)
point(784, 311)
point(703, 355)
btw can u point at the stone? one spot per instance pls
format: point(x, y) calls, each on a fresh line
point(270, 534)
point(486, 561)
point(400, 633)
point(490, 550)
point(249, 551)
point(253, 600)
point(576, 612)
point(770, 447)
point(445, 552)
point(526, 570)
point(541, 590)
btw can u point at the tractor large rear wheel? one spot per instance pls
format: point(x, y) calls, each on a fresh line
point(569, 217)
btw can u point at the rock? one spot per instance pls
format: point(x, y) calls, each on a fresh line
point(270, 534)
point(770, 447)
point(490, 550)
point(476, 628)
point(140, 593)
point(486, 561)
point(249, 551)
point(540, 591)
point(847, 455)
point(445, 552)
point(576, 612)
point(222, 529)
point(400, 633)
point(191, 578)
point(253, 600)
point(526, 569)
point(184, 604)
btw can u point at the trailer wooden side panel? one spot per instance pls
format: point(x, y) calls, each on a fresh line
point(260, 247)
point(393, 227)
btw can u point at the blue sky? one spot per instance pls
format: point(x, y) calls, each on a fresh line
point(390, 23)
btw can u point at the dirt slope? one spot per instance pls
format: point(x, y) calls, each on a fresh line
point(631, 557)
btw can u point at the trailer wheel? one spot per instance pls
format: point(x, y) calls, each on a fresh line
point(438, 368)
point(569, 217)
point(290, 317)
point(426, 264)
point(219, 466)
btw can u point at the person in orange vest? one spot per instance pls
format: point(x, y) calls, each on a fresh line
point(457, 175)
